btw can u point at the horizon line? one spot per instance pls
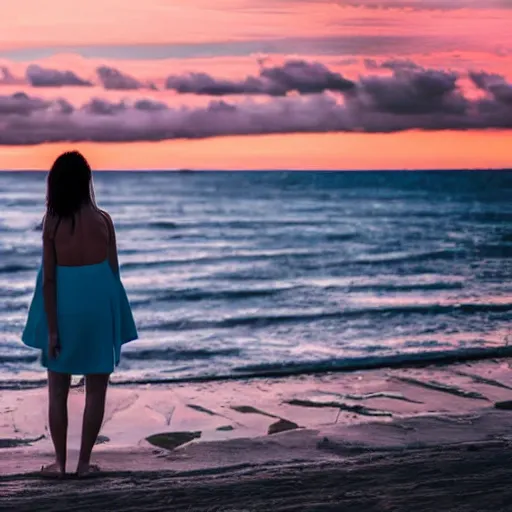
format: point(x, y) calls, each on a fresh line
point(193, 171)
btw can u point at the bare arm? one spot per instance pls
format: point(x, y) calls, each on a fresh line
point(49, 276)
point(112, 245)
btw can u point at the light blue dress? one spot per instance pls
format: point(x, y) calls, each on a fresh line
point(94, 320)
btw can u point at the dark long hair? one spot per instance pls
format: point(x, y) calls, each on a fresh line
point(69, 186)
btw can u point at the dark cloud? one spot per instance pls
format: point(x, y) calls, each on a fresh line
point(407, 98)
point(425, 99)
point(150, 105)
point(495, 85)
point(305, 77)
point(99, 107)
point(202, 83)
point(113, 79)
point(63, 106)
point(21, 104)
point(411, 91)
point(44, 77)
point(102, 121)
point(294, 75)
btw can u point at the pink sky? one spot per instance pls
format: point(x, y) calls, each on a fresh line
point(227, 40)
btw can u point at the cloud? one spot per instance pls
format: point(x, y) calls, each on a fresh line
point(392, 64)
point(150, 105)
point(305, 77)
point(202, 83)
point(21, 104)
point(294, 75)
point(100, 107)
point(408, 98)
point(113, 79)
point(7, 78)
point(412, 91)
point(495, 85)
point(102, 121)
point(38, 76)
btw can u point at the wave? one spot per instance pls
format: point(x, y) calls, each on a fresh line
point(388, 259)
point(14, 293)
point(163, 225)
point(197, 295)
point(19, 358)
point(22, 384)
point(341, 237)
point(268, 320)
point(246, 256)
point(495, 251)
point(12, 306)
point(152, 354)
point(419, 359)
point(305, 255)
point(438, 286)
point(170, 354)
point(225, 224)
point(13, 268)
point(490, 217)
point(441, 254)
point(158, 224)
point(482, 251)
point(289, 369)
point(368, 363)
point(20, 229)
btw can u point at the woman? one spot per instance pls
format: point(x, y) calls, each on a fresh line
point(79, 316)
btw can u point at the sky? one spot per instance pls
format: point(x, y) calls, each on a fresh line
point(257, 84)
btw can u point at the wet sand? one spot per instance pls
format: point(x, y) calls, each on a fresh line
point(433, 438)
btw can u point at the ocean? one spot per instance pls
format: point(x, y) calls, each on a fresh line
point(259, 273)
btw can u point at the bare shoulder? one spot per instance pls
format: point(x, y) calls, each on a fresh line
point(107, 217)
point(109, 221)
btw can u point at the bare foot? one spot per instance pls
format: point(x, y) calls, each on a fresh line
point(86, 470)
point(52, 471)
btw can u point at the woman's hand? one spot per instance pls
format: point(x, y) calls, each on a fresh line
point(53, 346)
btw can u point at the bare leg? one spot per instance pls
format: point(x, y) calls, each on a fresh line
point(58, 390)
point(95, 393)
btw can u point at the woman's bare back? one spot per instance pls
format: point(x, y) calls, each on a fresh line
point(88, 239)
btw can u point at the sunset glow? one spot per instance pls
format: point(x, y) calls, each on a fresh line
point(257, 84)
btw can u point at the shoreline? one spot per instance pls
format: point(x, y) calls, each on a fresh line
point(317, 369)
point(388, 439)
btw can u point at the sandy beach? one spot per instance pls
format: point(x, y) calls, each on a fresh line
point(435, 438)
